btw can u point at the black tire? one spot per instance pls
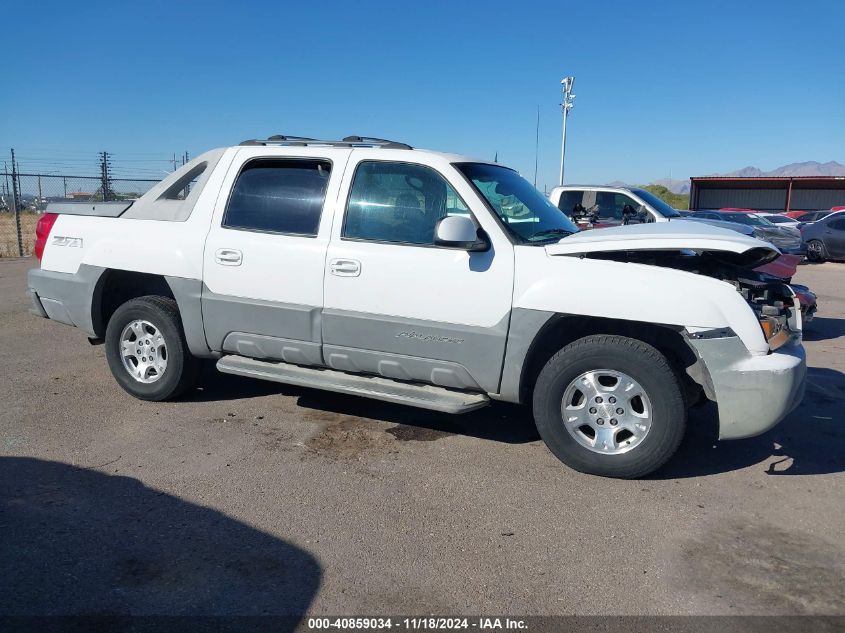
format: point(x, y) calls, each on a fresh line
point(816, 251)
point(182, 370)
point(644, 364)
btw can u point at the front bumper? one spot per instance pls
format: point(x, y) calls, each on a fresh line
point(753, 393)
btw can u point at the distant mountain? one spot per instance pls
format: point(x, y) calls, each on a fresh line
point(808, 168)
point(674, 185)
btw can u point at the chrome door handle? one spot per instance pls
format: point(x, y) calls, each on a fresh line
point(228, 256)
point(345, 267)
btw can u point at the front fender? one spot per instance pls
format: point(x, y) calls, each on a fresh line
point(633, 292)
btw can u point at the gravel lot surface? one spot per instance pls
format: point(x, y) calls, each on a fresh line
point(248, 497)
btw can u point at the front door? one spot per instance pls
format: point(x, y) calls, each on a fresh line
point(265, 254)
point(396, 304)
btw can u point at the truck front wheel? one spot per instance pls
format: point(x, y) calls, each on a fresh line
point(146, 349)
point(610, 406)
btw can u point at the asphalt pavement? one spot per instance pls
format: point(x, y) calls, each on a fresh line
point(249, 497)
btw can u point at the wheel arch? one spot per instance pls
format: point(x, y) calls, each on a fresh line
point(562, 329)
point(116, 286)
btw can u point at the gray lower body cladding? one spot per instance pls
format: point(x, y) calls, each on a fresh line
point(65, 297)
point(446, 354)
point(753, 393)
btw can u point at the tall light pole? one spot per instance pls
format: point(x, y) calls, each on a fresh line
point(566, 106)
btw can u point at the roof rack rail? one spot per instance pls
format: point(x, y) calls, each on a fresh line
point(372, 140)
point(349, 141)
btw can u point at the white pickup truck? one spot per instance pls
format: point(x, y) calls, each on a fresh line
point(367, 267)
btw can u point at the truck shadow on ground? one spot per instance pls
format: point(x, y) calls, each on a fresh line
point(810, 441)
point(80, 542)
point(824, 329)
point(501, 422)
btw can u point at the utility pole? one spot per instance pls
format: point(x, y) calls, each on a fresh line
point(40, 198)
point(566, 106)
point(64, 182)
point(105, 164)
point(16, 203)
point(537, 147)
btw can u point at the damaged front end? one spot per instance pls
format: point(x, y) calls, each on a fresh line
point(774, 302)
point(753, 385)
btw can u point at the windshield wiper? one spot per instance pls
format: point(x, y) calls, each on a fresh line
point(549, 232)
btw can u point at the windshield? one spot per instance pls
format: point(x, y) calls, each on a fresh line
point(661, 206)
point(525, 212)
point(746, 218)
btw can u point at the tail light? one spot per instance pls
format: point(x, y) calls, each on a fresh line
point(42, 232)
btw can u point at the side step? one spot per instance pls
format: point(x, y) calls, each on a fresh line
point(423, 396)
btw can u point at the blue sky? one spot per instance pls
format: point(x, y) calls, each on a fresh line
point(662, 87)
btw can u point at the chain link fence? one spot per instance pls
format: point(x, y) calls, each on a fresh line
point(24, 197)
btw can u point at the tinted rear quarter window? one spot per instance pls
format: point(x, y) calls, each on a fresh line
point(279, 196)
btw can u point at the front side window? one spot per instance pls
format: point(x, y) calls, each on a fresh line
point(398, 202)
point(525, 212)
point(616, 206)
point(279, 196)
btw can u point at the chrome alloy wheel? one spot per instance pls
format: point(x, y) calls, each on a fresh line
point(143, 351)
point(606, 411)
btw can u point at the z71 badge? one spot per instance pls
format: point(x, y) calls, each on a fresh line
point(71, 242)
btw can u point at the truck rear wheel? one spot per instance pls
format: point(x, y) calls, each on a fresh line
point(146, 349)
point(610, 406)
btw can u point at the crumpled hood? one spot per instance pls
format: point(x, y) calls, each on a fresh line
point(732, 247)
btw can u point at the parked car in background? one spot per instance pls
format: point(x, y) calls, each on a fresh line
point(808, 300)
point(795, 214)
point(783, 268)
point(825, 238)
point(598, 206)
point(812, 216)
point(787, 240)
point(781, 220)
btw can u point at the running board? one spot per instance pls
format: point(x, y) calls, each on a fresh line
point(415, 395)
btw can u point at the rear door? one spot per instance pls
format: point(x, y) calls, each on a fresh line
point(265, 253)
point(396, 304)
point(834, 237)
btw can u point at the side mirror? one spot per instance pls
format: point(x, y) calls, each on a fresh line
point(458, 231)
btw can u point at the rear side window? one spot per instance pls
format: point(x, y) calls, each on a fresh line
point(279, 196)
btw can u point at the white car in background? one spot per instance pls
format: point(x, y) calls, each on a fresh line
point(781, 220)
point(603, 206)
